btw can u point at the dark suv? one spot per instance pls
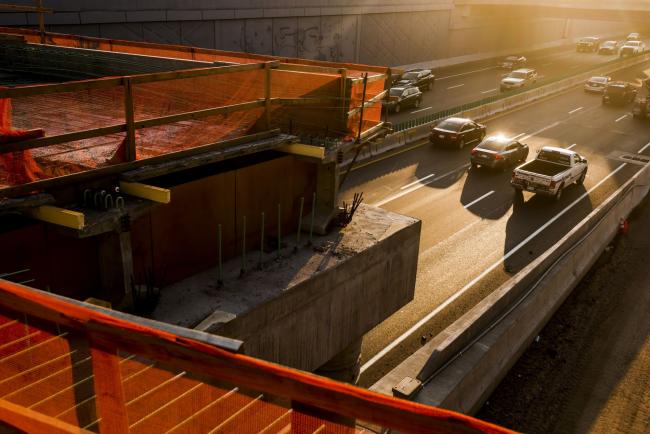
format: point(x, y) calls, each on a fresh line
point(422, 78)
point(588, 45)
point(401, 97)
point(456, 132)
point(619, 92)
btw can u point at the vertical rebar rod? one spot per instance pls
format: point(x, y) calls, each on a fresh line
point(279, 229)
point(220, 259)
point(41, 21)
point(302, 206)
point(243, 249)
point(261, 243)
point(313, 215)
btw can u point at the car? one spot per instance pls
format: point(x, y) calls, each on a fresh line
point(641, 108)
point(518, 78)
point(631, 48)
point(597, 84)
point(513, 62)
point(422, 78)
point(457, 132)
point(608, 47)
point(589, 44)
point(498, 152)
point(634, 37)
point(402, 97)
point(619, 92)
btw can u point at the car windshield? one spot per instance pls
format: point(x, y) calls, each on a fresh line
point(633, 44)
point(512, 58)
point(493, 144)
point(609, 44)
point(396, 91)
point(598, 79)
point(451, 125)
point(410, 76)
point(554, 157)
point(517, 74)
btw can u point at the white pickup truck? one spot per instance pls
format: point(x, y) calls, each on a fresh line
point(552, 171)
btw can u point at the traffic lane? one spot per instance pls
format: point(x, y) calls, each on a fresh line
point(477, 247)
point(463, 89)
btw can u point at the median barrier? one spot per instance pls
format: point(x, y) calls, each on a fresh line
point(481, 112)
point(461, 366)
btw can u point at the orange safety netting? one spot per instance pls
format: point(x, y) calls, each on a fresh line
point(100, 372)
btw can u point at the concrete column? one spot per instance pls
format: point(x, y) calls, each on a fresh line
point(345, 365)
point(116, 267)
point(327, 192)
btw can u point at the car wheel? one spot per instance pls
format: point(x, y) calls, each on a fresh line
point(519, 195)
point(398, 108)
point(558, 195)
point(474, 165)
point(461, 144)
point(581, 180)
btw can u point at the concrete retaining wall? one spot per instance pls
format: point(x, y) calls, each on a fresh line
point(492, 336)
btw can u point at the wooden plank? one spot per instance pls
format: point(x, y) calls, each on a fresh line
point(109, 394)
point(199, 72)
point(19, 8)
point(193, 356)
point(198, 114)
point(296, 67)
point(372, 101)
point(61, 138)
point(74, 86)
point(30, 421)
point(267, 96)
point(306, 101)
point(131, 165)
point(149, 192)
point(304, 150)
point(129, 115)
point(57, 216)
point(371, 78)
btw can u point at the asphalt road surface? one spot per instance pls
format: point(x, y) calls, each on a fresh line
point(474, 236)
point(463, 85)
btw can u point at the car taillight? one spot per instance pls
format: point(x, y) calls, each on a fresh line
point(498, 157)
point(552, 184)
point(453, 136)
point(474, 151)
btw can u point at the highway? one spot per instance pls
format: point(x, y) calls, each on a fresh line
point(474, 236)
point(462, 85)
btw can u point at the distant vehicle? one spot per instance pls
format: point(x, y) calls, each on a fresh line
point(513, 62)
point(597, 84)
point(608, 47)
point(619, 92)
point(553, 170)
point(641, 108)
point(631, 48)
point(402, 97)
point(422, 78)
point(498, 152)
point(457, 132)
point(518, 78)
point(589, 44)
point(634, 37)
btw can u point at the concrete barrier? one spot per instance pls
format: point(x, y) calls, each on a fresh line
point(462, 366)
point(411, 136)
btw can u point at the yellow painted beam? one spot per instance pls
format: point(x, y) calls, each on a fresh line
point(144, 191)
point(58, 216)
point(304, 150)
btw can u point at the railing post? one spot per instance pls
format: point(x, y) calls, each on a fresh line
point(109, 394)
point(129, 114)
point(267, 95)
point(343, 90)
point(41, 21)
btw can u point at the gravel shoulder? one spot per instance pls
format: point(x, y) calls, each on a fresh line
point(589, 369)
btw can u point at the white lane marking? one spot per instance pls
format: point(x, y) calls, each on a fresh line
point(419, 186)
point(518, 136)
point(479, 199)
point(490, 91)
point(417, 182)
point(644, 148)
point(575, 110)
point(541, 130)
point(622, 117)
point(465, 288)
point(466, 73)
point(571, 147)
point(456, 87)
point(421, 110)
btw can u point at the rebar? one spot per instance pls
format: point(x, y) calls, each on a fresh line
point(313, 216)
point(302, 206)
point(243, 249)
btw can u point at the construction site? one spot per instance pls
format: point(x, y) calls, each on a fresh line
point(175, 257)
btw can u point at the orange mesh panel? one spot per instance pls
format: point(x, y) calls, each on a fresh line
point(371, 114)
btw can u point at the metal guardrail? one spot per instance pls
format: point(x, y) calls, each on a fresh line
point(432, 117)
